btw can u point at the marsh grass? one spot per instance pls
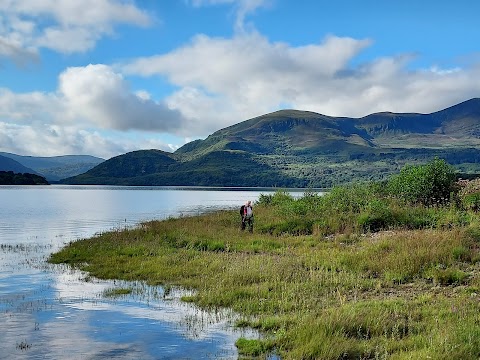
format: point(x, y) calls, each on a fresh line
point(405, 289)
point(117, 292)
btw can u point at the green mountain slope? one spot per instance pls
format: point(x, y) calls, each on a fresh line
point(456, 126)
point(154, 167)
point(300, 148)
point(119, 169)
point(285, 132)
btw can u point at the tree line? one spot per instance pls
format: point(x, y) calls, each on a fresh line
point(11, 178)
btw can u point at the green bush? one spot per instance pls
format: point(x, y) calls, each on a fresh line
point(378, 216)
point(471, 201)
point(447, 276)
point(416, 198)
point(428, 184)
point(416, 217)
point(291, 227)
point(275, 199)
point(348, 198)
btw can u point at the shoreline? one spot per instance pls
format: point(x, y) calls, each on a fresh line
point(300, 291)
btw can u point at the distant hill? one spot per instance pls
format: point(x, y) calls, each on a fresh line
point(8, 164)
point(292, 148)
point(158, 168)
point(55, 168)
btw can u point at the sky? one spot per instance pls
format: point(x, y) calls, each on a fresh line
point(106, 77)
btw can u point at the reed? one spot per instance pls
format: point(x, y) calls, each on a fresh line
point(312, 278)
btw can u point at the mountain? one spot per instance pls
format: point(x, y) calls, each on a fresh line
point(8, 164)
point(456, 126)
point(55, 168)
point(301, 148)
point(158, 168)
point(293, 132)
point(131, 165)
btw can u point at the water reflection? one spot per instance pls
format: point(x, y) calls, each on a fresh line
point(51, 312)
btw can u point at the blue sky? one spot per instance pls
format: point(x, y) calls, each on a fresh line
point(104, 77)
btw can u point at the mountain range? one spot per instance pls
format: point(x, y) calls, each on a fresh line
point(292, 148)
point(53, 168)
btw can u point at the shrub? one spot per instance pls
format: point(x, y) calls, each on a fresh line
point(277, 198)
point(447, 276)
point(415, 217)
point(378, 216)
point(427, 184)
point(471, 201)
point(291, 227)
point(348, 198)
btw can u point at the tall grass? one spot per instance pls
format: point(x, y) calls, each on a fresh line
point(354, 274)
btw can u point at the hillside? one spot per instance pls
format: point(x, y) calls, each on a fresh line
point(8, 164)
point(55, 168)
point(158, 168)
point(292, 148)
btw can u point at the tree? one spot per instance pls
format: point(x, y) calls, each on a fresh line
point(427, 184)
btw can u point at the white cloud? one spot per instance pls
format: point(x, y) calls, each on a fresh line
point(242, 8)
point(62, 25)
point(102, 97)
point(29, 108)
point(248, 68)
point(93, 112)
point(53, 140)
point(218, 82)
point(223, 81)
point(435, 69)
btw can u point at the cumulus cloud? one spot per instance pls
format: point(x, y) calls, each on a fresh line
point(61, 25)
point(217, 81)
point(223, 81)
point(28, 108)
point(93, 111)
point(95, 96)
point(98, 95)
point(53, 140)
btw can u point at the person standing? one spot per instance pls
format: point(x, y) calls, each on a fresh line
point(242, 214)
point(247, 216)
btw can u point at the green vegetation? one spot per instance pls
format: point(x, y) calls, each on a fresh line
point(427, 184)
point(11, 178)
point(291, 148)
point(117, 292)
point(363, 272)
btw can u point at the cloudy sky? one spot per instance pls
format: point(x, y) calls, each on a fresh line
point(104, 77)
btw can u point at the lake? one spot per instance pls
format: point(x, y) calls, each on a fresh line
point(55, 312)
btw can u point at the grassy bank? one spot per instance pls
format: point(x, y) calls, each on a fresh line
point(355, 274)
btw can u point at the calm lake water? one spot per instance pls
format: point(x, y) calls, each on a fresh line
point(54, 312)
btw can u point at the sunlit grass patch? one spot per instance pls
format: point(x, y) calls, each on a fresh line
point(117, 292)
point(355, 274)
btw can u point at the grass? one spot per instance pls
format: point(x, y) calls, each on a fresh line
point(117, 292)
point(315, 280)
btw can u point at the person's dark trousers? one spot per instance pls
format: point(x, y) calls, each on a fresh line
point(248, 223)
